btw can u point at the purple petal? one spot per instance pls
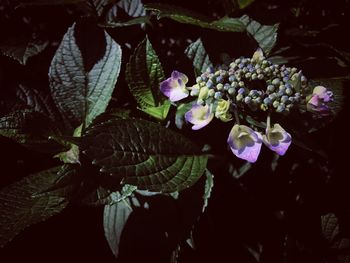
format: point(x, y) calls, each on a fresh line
point(171, 88)
point(178, 75)
point(246, 151)
point(282, 145)
point(199, 115)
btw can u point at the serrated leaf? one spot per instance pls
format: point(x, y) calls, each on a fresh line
point(266, 36)
point(24, 50)
point(144, 154)
point(20, 209)
point(78, 94)
point(337, 245)
point(100, 5)
point(199, 57)
point(32, 129)
point(226, 24)
point(115, 217)
point(133, 8)
point(144, 73)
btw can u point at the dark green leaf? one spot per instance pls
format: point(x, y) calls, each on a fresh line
point(131, 22)
point(144, 154)
point(198, 55)
point(180, 113)
point(226, 24)
point(115, 217)
point(78, 94)
point(266, 36)
point(337, 245)
point(20, 207)
point(100, 5)
point(32, 129)
point(24, 50)
point(144, 73)
point(244, 3)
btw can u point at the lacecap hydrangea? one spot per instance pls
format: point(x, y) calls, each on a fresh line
point(248, 83)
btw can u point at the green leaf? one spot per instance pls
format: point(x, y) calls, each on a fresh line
point(78, 94)
point(72, 155)
point(244, 3)
point(32, 129)
point(20, 208)
point(199, 57)
point(115, 217)
point(266, 36)
point(180, 113)
point(24, 50)
point(130, 22)
point(143, 154)
point(144, 73)
point(209, 183)
point(181, 15)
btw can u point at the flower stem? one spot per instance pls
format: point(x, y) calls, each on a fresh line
point(236, 116)
point(268, 121)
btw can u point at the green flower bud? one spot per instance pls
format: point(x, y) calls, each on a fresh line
point(254, 76)
point(275, 104)
point(281, 107)
point(248, 75)
point(203, 93)
point(260, 76)
point(289, 91)
point(211, 93)
point(241, 84)
point(234, 84)
point(271, 88)
point(239, 97)
point(231, 91)
point(222, 109)
point(219, 86)
point(276, 81)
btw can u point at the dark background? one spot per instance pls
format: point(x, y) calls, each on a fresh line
point(261, 206)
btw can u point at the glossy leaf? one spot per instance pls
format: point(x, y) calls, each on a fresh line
point(199, 57)
point(115, 217)
point(209, 184)
point(78, 94)
point(226, 24)
point(32, 129)
point(133, 8)
point(144, 73)
point(266, 36)
point(21, 206)
point(143, 154)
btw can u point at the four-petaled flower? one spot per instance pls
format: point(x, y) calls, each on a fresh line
point(175, 86)
point(199, 115)
point(317, 103)
point(277, 139)
point(245, 143)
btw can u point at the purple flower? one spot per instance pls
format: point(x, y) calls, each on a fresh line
point(175, 86)
point(277, 139)
point(317, 102)
point(199, 115)
point(245, 143)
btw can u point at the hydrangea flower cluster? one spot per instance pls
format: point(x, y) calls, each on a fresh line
point(248, 84)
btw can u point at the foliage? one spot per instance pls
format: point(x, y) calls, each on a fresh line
point(139, 104)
